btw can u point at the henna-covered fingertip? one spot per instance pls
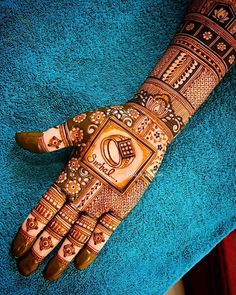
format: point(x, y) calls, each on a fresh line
point(84, 259)
point(20, 245)
point(29, 141)
point(27, 264)
point(54, 269)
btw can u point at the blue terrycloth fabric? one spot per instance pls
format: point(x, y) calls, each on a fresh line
point(62, 57)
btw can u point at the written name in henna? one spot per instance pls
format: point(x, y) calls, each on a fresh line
point(101, 166)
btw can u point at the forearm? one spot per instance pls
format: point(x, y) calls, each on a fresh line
point(197, 59)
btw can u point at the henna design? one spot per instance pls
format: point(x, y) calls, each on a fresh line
point(31, 223)
point(97, 117)
point(199, 56)
point(56, 229)
point(76, 134)
point(104, 229)
point(115, 148)
point(98, 238)
point(69, 250)
point(79, 118)
point(45, 243)
point(116, 155)
point(160, 105)
point(110, 174)
point(42, 213)
point(55, 142)
point(120, 148)
point(77, 237)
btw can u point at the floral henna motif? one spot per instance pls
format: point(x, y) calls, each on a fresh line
point(54, 142)
point(76, 134)
point(74, 164)
point(98, 117)
point(98, 238)
point(161, 106)
point(62, 177)
point(207, 35)
point(72, 187)
point(220, 15)
point(45, 243)
point(31, 224)
point(79, 118)
point(120, 148)
point(68, 250)
point(199, 56)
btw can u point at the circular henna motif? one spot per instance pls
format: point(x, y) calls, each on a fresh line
point(68, 250)
point(31, 223)
point(45, 243)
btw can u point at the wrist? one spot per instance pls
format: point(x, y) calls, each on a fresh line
point(159, 106)
point(199, 56)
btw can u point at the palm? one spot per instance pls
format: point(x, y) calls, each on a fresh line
point(117, 152)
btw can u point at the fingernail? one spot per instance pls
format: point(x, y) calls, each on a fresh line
point(27, 264)
point(84, 259)
point(54, 269)
point(20, 245)
point(29, 141)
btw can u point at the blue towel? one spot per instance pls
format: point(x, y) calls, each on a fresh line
point(63, 57)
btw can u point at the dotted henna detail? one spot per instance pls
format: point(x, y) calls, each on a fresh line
point(54, 142)
point(31, 224)
point(161, 106)
point(45, 243)
point(68, 250)
point(98, 238)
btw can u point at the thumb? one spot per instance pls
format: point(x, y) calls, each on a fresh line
point(70, 133)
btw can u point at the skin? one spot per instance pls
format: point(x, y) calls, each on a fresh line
point(119, 149)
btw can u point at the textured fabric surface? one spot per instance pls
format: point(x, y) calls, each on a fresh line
point(62, 57)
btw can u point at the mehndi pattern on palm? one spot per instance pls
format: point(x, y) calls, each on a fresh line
point(118, 151)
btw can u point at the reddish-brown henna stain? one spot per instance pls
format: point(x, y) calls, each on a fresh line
point(100, 187)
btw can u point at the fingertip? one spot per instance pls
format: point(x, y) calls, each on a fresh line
point(54, 269)
point(20, 245)
point(84, 259)
point(29, 141)
point(27, 264)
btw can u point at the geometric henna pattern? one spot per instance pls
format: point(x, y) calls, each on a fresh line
point(119, 149)
point(199, 56)
point(43, 212)
point(77, 237)
point(104, 229)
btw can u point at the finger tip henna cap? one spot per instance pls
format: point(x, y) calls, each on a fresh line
point(20, 245)
point(27, 264)
point(29, 140)
point(84, 259)
point(54, 269)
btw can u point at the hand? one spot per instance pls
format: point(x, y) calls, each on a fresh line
point(117, 153)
